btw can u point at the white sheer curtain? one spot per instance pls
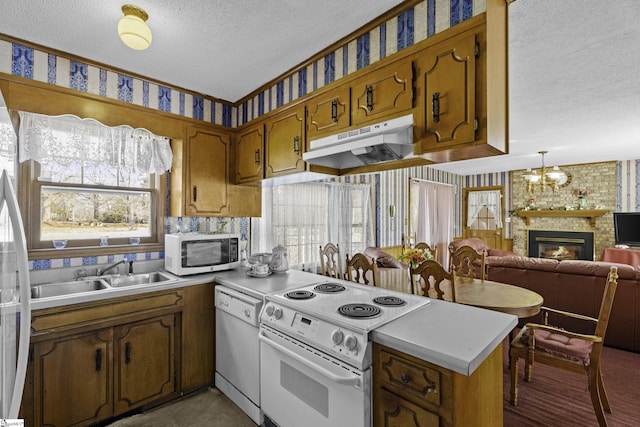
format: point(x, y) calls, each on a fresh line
point(349, 218)
point(435, 217)
point(303, 217)
point(91, 142)
point(339, 217)
point(491, 199)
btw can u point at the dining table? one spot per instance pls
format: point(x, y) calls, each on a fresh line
point(486, 294)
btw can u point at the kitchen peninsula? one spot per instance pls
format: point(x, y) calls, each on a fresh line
point(443, 361)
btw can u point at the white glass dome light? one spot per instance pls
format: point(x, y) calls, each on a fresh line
point(133, 29)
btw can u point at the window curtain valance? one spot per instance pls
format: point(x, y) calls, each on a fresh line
point(69, 139)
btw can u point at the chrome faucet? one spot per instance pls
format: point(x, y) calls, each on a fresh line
point(101, 272)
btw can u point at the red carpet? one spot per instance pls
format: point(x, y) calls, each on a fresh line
point(558, 398)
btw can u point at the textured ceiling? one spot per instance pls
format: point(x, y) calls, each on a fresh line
point(573, 64)
point(222, 48)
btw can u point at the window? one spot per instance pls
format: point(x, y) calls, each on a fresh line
point(88, 181)
point(484, 209)
point(303, 217)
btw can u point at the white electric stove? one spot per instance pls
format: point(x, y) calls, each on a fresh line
point(316, 354)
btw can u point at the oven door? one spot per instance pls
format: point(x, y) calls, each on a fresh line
point(299, 383)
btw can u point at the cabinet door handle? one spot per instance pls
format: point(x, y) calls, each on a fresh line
point(296, 145)
point(405, 378)
point(334, 111)
point(257, 156)
point(369, 98)
point(127, 353)
point(98, 359)
point(195, 193)
point(435, 107)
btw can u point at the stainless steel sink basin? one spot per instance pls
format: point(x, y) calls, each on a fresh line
point(67, 288)
point(139, 279)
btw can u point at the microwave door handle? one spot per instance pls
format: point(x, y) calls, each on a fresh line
point(353, 380)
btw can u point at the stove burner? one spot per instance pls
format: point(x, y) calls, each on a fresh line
point(359, 311)
point(329, 288)
point(300, 295)
point(389, 300)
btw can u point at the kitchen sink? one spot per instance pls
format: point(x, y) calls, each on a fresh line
point(67, 288)
point(139, 279)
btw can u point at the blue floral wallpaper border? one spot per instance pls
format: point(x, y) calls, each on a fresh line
point(407, 28)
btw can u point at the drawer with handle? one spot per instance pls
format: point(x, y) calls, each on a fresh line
point(400, 374)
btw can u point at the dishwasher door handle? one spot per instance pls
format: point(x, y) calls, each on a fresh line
point(352, 380)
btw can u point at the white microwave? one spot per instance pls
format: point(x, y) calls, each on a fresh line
point(193, 253)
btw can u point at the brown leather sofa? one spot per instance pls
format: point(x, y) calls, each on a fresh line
point(383, 259)
point(577, 286)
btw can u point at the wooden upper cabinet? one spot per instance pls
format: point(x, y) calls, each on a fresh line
point(329, 112)
point(461, 106)
point(199, 173)
point(382, 94)
point(200, 176)
point(285, 142)
point(208, 170)
point(249, 154)
point(447, 78)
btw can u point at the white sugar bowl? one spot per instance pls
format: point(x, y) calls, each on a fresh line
point(279, 262)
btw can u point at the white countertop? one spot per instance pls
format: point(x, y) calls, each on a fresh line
point(454, 336)
point(236, 279)
point(258, 287)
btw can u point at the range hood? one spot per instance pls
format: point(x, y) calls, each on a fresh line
point(381, 142)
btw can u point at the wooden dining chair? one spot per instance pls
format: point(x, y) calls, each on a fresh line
point(433, 249)
point(431, 272)
point(330, 261)
point(362, 269)
point(560, 348)
point(466, 262)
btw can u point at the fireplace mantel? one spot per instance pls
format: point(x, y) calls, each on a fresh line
point(592, 214)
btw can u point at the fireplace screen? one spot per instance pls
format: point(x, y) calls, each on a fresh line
point(561, 245)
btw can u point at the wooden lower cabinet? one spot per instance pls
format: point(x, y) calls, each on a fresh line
point(198, 340)
point(73, 382)
point(144, 369)
point(396, 411)
point(408, 391)
point(93, 361)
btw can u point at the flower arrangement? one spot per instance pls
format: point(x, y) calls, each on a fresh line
point(581, 192)
point(415, 256)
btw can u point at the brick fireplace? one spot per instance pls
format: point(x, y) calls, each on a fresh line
point(561, 245)
point(599, 178)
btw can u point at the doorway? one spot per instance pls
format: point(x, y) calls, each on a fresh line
point(431, 215)
point(483, 215)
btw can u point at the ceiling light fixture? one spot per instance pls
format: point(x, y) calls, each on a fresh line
point(539, 180)
point(133, 28)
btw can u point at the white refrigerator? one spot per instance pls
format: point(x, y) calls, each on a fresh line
point(15, 312)
point(15, 293)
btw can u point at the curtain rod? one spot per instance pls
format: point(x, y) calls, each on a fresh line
point(433, 182)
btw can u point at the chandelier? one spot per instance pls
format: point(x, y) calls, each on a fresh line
point(543, 178)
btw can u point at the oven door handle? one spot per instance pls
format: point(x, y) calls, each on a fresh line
point(353, 380)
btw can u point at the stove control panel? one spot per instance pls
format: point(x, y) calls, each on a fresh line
point(348, 345)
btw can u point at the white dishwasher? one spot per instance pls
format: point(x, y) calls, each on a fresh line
point(238, 349)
